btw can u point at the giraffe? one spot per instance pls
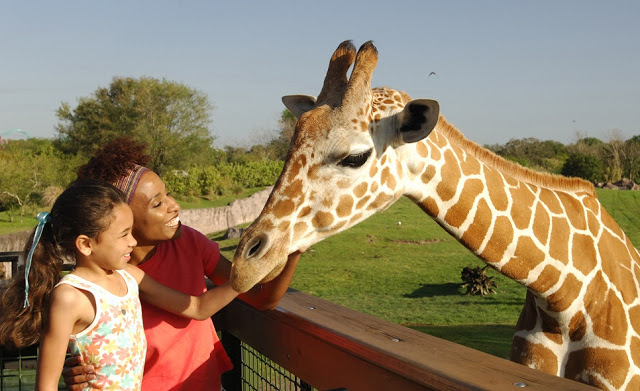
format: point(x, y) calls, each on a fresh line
point(356, 150)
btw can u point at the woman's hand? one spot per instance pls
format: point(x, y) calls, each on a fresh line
point(77, 376)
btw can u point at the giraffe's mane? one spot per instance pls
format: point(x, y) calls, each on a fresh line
point(546, 180)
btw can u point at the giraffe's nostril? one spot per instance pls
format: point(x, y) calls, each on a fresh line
point(254, 249)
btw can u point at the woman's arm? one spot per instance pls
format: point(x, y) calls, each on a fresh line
point(262, 296)
point(63, 314)
point(195, 307)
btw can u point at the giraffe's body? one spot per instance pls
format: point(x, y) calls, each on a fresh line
point(357, 150)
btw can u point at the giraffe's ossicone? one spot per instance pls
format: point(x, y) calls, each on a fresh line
point(356, 150)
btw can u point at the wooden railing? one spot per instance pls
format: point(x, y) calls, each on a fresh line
point(332, 347)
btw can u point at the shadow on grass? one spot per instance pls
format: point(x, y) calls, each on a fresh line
point(432, 290)
point(229, 248)
point(494, 339)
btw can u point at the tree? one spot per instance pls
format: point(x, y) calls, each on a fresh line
point(170, 118)
point(631, 160)
point(280, 144)
point(530, 152)
point(584, 166)
point(30, 168)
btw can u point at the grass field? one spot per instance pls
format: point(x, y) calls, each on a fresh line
point(410, 274)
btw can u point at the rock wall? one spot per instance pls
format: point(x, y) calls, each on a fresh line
point(210, 220)
point(206, 220)
point(14, 241)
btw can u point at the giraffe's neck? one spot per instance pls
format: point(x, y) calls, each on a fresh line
point(496, 213)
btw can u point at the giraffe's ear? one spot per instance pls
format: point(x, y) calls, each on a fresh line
point(417, 120)
point(299, 104)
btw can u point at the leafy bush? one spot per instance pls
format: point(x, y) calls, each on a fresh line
point(223, 178)
point(584, 166)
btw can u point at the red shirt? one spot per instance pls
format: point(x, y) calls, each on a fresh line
point(182, 354)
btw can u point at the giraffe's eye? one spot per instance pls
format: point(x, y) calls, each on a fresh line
point(355, 161)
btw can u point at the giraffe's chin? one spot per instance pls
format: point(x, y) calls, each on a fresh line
point(273, 274)
point(245, 276)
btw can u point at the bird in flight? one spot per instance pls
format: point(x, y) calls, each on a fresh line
point(433, 74)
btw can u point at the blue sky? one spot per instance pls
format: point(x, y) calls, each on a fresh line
point(505, 69)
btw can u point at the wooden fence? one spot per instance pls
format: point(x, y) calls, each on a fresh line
point(332, 347)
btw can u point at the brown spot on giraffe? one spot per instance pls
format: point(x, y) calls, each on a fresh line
point(497, 193)
point(541, 224)
point(474, 236)
point(521, 210)
point(345, 205)
point(551, 328)
point(422, 150)
point(434, 152)
point(428, 174)
point(621, 277)
point(634, 314)
point(534, 355)
point(583, 253)
point(374, 187)
point(593, 224)
point(387, 178)
point(577, 327)
point(471, 167)
point(550, 200)
point(559, 239)
point(283, 208)
point(322, 220)
point(613, 364)
point(547, 279)
point(381, 200)
point(565, 295)
point(451, 175)
point(635, 350)
point(526, 257)
point(360, 189)
point(458, 213)
point(429, 205)
point(284, 225)
point(363, 201)
point(373, 170)
point(304, 212)
point(574, 211)
point(602, 303)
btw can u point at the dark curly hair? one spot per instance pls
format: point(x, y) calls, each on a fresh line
point(84, 208)
point(114, 159)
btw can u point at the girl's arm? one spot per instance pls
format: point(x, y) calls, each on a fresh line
point(63, 314)
point(195, 307)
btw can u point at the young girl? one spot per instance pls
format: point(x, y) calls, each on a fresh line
point(94, 311)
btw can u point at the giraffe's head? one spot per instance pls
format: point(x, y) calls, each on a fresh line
point(344, 164)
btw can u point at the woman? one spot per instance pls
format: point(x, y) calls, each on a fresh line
point(182, 354)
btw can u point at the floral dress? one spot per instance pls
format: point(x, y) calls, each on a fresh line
point(114, 343)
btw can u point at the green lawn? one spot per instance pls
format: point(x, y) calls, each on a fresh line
point(410, 274)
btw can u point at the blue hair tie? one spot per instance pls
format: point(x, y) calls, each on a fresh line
point(43, 218)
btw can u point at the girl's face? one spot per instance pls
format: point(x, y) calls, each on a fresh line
point(155, 212)
point(111, 250)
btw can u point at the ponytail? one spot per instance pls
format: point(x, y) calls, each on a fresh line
point(24, 314)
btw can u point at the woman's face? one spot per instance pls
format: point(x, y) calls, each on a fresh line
point(155, 212)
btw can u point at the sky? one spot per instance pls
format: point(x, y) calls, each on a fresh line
point(552, 70)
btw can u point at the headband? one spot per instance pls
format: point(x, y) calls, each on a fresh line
point(128, 183)
point(43, 218)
